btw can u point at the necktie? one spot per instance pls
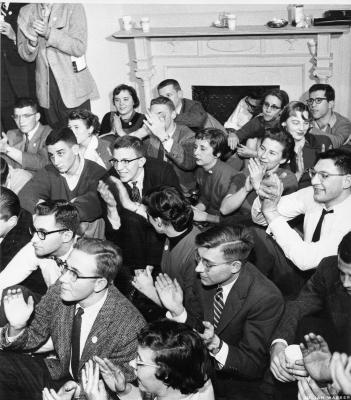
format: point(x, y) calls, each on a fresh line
point(60, 263)
point(135, 195)
point(317, 232)
point(218, 305)
point(26, 143)
point(75, 338)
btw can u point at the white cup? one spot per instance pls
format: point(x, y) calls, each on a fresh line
point(127, 22)
point(293, 353)
point(231, 18)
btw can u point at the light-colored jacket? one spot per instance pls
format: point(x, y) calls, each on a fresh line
point(67, 37)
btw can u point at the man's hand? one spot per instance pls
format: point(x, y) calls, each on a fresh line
point(309, 390)
point(316, 357)
point(66, 392)
point(156, 125)
point(278, 364)
point(3, 143)
point(245, 151)
point(170, 294)
point(112, 375)
point(340, 369)
point(123, 194)
point(94, 388)
point(211, 340)
point(144, 282)
point(233, 140)
point(257, 171)
point(270, 204)
point(199, 216)
point(6, 29)
point(17, 311)
point(106, 194)
point(41, 27)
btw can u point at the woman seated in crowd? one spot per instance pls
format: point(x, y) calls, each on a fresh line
point(85, 125)
point(125, 120)
point(172, 363)
point(296, 119)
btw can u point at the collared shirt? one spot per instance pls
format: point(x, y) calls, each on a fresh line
point(31, 133)
point(90, 152)
point(328, 126)
point(88, 319)
point(72, 180)
point(25, 262)
point(304, 253)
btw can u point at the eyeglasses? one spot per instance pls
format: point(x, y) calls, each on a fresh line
point(272, 106)
point(317, 100)
point(207, 264)
point(73, 276)
point(23, 116)
point(123, 162)
point(42, 234)
point(138, 362)
point(322, 175)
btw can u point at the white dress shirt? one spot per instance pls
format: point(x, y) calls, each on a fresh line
point(304, 253)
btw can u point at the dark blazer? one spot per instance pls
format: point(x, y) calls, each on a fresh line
point(192, 114)
point(15, 239)
point(323, 291)
point(250, 315)
point(113, 334)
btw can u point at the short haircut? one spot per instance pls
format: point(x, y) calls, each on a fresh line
point(284, 138)
point(340, 157)
point(292, 108)
point(217, 139)
point(169, 204)
point(180, 353)
point(163, 100)
point(108, 256)
point(117, 90)
point(4, 171)
point(236, 242)
point(64, 134)
point(22, 102)
point(328, 90)
point(167, 82)
point(280, 94)
point(89, 119)
point(9, 203)
point(130, 142)
point(256, 93)
point(66, 214)
point(344, 248)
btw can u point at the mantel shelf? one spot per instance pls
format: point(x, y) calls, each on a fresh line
point(242, 30)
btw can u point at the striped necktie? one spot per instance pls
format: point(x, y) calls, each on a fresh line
point(135, 193)
point(218, 305)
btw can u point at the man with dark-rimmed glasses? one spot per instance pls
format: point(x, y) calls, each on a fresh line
point(326, 121)
point(39, 263)
point(83, 314)
point(126, 223)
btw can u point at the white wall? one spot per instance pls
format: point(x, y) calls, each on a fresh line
point(108, 59)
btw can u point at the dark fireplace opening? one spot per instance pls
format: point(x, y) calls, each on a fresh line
point(220, 101)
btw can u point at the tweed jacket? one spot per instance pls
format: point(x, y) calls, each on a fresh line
point(36, 156)
point(323, 292)
point(180, 156)
point(67, 37)
point(113, 334)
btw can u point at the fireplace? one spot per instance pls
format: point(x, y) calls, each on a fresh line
point(221, 101)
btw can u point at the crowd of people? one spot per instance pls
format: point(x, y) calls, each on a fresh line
point(162, 255)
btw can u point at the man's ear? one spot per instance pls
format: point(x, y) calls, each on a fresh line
point(12, 221)
point(331, 104)
point(236, 267)
point(67, 236)
point(100, 284)
point(173, 114)
point(180, 93)
point(141, 162)
point(37, 116)
point(347, 181)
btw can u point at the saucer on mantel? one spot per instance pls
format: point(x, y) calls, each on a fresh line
point(277, 23)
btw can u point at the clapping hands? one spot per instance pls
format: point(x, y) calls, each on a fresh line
point(170, 294)
point(17, 310)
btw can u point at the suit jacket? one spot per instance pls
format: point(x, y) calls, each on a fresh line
point(68, 37)
point(36, 156)
point(250, 315)
point(113, 334)
point(15, 239)
point(192, 114)
point(180, 156)
point(322, 292)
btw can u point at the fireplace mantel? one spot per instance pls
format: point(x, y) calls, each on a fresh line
point(173, 52)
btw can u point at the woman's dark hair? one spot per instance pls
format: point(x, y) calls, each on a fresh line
point(217, 139)
point(293, 107)
point(87, 117)
point(182, 357)
point(4, 171)
point(280, 94)
point(169, 204)
point(284, 138)
point(117, 90)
